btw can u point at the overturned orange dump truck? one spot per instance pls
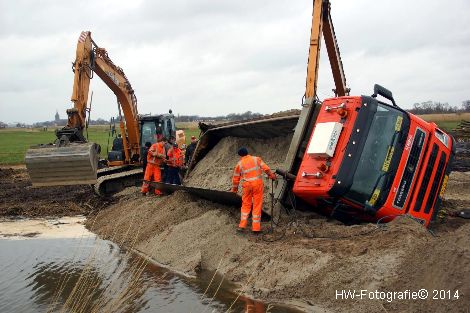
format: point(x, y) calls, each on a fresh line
point(371, 160)
point(353, 158)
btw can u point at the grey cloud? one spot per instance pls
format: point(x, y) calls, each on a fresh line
point(215, 57)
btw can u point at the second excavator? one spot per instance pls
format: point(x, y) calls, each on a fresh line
point(71, 159)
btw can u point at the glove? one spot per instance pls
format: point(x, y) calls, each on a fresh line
point(234, 189)
point(273, 176)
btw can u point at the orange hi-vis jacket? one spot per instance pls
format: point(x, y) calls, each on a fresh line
point(156, 153)
point(249, 169)
point(175, 157)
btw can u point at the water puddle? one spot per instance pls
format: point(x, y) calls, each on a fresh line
point(58, 266)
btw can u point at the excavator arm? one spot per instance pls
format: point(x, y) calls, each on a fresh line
point(92, 59)
point(322, 24)
point(71, 159)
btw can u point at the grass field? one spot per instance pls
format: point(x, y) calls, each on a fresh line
point(15, 141)
point(446, 121)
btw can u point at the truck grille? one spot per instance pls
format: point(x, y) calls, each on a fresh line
point(436, 183)
point(410, 169)
point(426, 178)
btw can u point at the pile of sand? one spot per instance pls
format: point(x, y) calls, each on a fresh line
point(215, 170)
point(315, 257)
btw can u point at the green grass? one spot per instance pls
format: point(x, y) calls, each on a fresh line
point(188, 132)
point(15, 141)
point(446, 121)
point(447, 125)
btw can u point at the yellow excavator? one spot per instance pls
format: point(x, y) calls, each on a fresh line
point(71, 159)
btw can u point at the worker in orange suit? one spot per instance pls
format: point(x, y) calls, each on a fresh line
point(249, 171)
point(155, 158)
point(175, 162)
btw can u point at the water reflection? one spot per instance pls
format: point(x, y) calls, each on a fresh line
point(92, 275)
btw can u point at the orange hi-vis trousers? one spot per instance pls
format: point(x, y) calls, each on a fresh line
point(252, 194)
point(151, 171)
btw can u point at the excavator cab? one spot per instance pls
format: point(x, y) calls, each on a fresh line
point(156, 124)
point(159, 124)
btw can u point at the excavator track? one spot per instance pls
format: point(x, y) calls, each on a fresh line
point(117, 181)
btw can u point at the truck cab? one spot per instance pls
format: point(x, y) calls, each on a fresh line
point(374, 161)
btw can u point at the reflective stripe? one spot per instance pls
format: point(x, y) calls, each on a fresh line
point(256, 216)
point(239, 164)
point(244, 218)
point(243, 171)
point(245, 214)
point(251, 169)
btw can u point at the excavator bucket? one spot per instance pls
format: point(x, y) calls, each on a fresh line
point(73, 164)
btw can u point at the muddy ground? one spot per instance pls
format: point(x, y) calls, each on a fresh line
point(19, 198)
point(462, 158)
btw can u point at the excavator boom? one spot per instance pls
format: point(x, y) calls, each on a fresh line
point(71, 160)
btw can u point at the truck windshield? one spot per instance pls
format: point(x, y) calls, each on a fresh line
point(372, 177)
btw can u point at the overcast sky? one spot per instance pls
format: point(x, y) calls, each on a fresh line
point(212, 57)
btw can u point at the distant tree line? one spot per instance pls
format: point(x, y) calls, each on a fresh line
point(63, 122)
point(427, 107)
point(229, 117)
point(430, 107)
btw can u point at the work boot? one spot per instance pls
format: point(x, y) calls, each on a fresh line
point(240, 230)
point(256, 232)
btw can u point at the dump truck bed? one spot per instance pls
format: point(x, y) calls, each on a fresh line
point(210, 171)
point(266, 127)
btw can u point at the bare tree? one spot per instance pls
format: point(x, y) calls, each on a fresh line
point(466, 106)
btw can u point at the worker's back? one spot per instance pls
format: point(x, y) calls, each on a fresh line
point(117, 144)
